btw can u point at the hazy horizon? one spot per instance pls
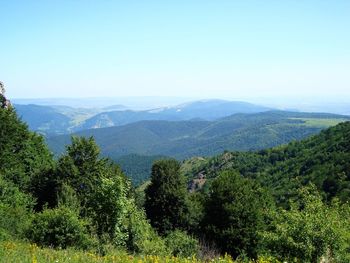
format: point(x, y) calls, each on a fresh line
point(199, 49)
point(338, 106)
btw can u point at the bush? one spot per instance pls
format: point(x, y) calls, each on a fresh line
point(15, 211)
point(181, 244)
point(59, 227)
point(142, 238)
point(310, 230)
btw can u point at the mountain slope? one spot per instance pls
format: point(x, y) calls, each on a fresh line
point(204, 110)
point(137, 167)
point(44, 119)
point(211, 109)
point(60, 119)
point(323, 159)
point(183, 139)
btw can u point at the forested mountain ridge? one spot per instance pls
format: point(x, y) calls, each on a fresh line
point(50, 120)
point(184, 139)
point(43, 118)
point(323, 160)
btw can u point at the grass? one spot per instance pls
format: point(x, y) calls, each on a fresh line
point(318, 122)
point(18, 252)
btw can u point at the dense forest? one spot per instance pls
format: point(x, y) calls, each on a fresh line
point(185, 139)
point(288, 203)
point(323, 159)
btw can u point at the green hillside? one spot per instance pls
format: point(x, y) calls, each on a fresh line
point(323, 159)
point(44, 119)
point(137, 167)
point(184, 139)
point(53, 120)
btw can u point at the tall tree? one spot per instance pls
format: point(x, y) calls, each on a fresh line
point(234, 214)
point(166, 201)
point(23, 154)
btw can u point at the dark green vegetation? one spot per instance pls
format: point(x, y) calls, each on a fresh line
point(137, 167)
point(323, 159)
point(166, 204)
point(185, 139)
point(288, 203)
point(238, 205)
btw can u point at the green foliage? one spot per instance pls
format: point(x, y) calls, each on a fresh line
point(234, 214)
point(310, 230)
point(185, 139)
point(59, 227)
point(15, 211)
point(108, 207)
point(137, 167)
point(23, 154)
point(67, 197)
point(142, 238)
point(166, 201)
point(323, 159)
point(181, 244)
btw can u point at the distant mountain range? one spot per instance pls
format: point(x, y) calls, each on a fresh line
point(199, 110)
point(51, 120)
point(183, 139)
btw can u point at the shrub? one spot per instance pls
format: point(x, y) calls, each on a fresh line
point(59, 227)
point(310, 230)
point(181, 244)
point(142, 238)
point(15, 210)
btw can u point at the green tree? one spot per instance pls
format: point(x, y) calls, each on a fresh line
point(109, 207)
point(310, 230)
point(166, 200)
point(23, 154)
point(181, 244)
point(59, 227)
point(15, 211)
point(142, 238)
point(234, 214)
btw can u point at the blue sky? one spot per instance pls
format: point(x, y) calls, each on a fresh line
point(205, 49)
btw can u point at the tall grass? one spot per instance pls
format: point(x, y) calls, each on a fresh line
point(18, 252)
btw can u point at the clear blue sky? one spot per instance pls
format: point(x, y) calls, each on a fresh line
point(221, 49)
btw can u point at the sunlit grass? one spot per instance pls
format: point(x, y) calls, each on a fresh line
point(317, 122)
point(16, 252)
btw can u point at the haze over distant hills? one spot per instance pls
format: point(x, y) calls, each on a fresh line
point(64, 119)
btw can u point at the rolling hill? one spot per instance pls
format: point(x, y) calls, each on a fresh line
point(55, 119)
point(323, 159)
point(44, 119)
point(200, 110)
point(184, 139)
